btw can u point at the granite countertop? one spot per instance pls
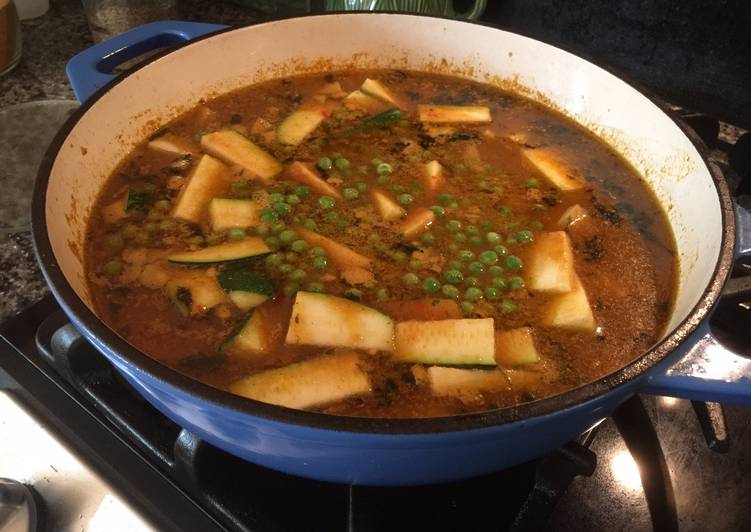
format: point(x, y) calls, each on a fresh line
point(48, 43)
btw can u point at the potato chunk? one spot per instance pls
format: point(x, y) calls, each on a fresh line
point(464, 383)
point(555, 170)
point(515, 347)
point(386, 207)
point(551, 264)
point(417, 222)
point(571, 310)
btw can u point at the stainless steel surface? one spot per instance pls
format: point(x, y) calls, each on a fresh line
point(76, 499)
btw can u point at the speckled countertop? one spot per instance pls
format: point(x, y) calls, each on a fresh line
point(48, 43)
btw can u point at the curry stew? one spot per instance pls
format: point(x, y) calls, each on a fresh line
point(382, 243)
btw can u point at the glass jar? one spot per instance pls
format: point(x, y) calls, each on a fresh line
point(108, 18)
point(10, 36)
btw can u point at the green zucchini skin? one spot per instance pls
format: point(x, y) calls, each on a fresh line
point(222, 253)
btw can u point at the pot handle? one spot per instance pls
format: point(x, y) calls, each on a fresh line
point(711, 371)
point(93, 68)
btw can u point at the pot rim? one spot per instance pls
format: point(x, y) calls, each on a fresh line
point(119, 348)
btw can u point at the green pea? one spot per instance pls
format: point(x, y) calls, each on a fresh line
point(341, 163)
point(317, 251)
point(495, 270)
point(428, 238)
point(282, 208)
point(513, 263)
point(399, 256)
point(498, 283)
point(315, 287)
point(415, 264)
point(454, 276)
point(278, 226)
point(431, 285)
point(493, 238)
point(269, 215)
point(384, 168)
point(450, 291)
point(326, 202)
point(475, 240)
point(114, 242)
point(310, 225)
point(410, 279)
point(472, 230)
point(532, 183)
point(454, 226)
point(455, 265)
point(112, 268)
point(460, 237)
point(275, 259)
point(351, 193)
point(296, 275)
point(488, 257)
point(502, 251)
point(438, 210)
point(286, 268)
point(299, 246)
point(324, 163)
point(467, 307)
point(398, 188)
point(320, 263)
point(491, 293)
point(330, 217)
point(473, 294)
point(276, 197)
point(273, 242)
point(443, 198)
point(523, 237)
point(302, 191)
point(383, 179)
point(287, 236)
point(507, 306)
point(361, 187)
point(466, 255)
point(293, 199)
point(353, 293)
point(476, 267)
point(405, 199)
point(236, 234)
point(471, 281)
point(291, 289)
point(516, 282)
point(382, 294)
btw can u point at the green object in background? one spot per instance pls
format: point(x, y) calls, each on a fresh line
point(428, 7)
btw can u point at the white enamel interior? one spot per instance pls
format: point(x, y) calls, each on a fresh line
point(596, 99)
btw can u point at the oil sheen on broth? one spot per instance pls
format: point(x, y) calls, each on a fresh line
point(382, 243)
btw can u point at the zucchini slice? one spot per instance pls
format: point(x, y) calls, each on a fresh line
point(417, 222)
point(340, 254)
point(378, 90)
point(465, 383)
point(359, 100)
point(227, 213)
point(550, 165)
point(446, 342)
point(324, 320)
point(306, 175)
point(298, 125)
point(227, 252)
point(170, 143)
point(234, 148)
point(450, 114)
point(433, 177)
point(317, 381)
point(386, 207)
point(551, 264)
point(204, 183)
point(515, 347)
point(246, 289)
point(571, 310)
point(423, 309)
point(194, 292)
point(251, 339)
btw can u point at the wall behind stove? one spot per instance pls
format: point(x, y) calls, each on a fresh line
point(696, 53)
